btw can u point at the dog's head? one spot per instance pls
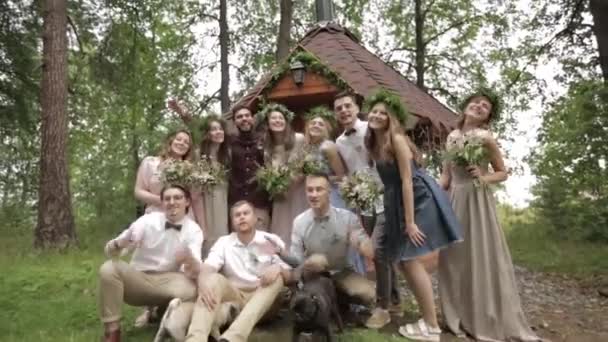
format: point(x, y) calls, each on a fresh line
point(305, 306)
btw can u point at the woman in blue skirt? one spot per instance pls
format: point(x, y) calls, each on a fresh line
point(419, 218)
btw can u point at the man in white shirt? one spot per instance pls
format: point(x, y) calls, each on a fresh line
point(166, 260)
point(242, 267)
point(351, 144)
point(331, 232)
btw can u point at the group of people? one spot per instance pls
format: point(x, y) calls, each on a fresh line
point(203, 257)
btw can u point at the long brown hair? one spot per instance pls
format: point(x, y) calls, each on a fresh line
point(165, 150)
point(268, 139)
point(387, 151)
point(223, 153)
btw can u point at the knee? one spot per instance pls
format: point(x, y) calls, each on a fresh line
point(108, 270)
point(213, 281)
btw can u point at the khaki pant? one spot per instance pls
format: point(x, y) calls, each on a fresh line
point(120, 283)
point(355, 286)
point(254, 306)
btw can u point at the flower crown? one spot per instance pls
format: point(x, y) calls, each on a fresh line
point(321, 112)
point(204, 123)
point(490, 95)
point(262, 115)
point(392, 102)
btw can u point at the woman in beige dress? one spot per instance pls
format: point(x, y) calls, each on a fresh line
point(281, 146)
point(213, 213)
point(477, 287)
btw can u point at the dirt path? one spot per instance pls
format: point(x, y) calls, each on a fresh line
point(559, 308)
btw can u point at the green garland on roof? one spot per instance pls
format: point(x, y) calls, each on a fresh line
point(312, 63)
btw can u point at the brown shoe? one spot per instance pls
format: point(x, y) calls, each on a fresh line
point(112, 336)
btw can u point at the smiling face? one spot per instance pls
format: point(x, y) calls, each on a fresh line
point(317, 129)
point(277, 122)
point(216, 132)
point(180, 145)
point(175, 203)
point(478, 111)
point(346, 111)
point(378, 117)
point(243, 120)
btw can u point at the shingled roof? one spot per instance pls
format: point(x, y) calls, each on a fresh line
point(364, 72)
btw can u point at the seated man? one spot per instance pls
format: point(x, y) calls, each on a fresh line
point(166, 260)
point(241, 267)
point(331, 232)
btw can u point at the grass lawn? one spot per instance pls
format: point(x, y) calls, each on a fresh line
point(51, 296)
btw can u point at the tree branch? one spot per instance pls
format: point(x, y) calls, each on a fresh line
point(71, 22)
point(449, 28)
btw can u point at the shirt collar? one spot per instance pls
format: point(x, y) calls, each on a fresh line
point(239, 243)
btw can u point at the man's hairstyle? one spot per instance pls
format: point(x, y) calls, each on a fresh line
point(180, 187)
point(350, 94)
point(240, 204)
point(239, 107)
point(319, 174)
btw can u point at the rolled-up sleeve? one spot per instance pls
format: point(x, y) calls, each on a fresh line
point(297, 241)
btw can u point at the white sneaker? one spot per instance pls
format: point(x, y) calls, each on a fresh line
point(420, 331)
point(379, 318)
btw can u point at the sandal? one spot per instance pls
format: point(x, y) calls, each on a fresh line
point(420, 331)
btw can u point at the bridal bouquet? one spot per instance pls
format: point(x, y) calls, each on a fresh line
point(207, 174)
point(467, 150)
point(274, 179)
point(176, 172)
point(307, 164)
point(361, 191)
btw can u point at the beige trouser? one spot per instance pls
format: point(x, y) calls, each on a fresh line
point(355, 286)
point(254, 305)
point(119, 282)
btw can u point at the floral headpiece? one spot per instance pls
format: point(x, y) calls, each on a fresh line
point(204, 123)
point(263, 114)
point(392, 102)
point(490, 95)
point(321, 112)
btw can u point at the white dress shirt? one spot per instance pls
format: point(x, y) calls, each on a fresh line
point(244, 264)
point(158, 246)
point(354, 153)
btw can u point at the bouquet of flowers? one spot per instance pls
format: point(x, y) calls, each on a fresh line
point(307, 164)
point(176, 172)
point(466, 151)
point(206, 173)
point(361, 190)
point(274, 179)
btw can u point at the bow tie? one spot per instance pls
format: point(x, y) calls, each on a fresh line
point(350, 131)
point(169, 225)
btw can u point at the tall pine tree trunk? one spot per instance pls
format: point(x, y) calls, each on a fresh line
point(224, 66)
point(284, 36)
point(420, 45)
point(599, 11)
point(55, 227)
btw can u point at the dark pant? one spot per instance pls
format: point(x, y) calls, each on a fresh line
point(387, 288)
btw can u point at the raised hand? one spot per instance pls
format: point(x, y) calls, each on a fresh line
point(179, 109)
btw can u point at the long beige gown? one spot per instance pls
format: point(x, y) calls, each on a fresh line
point(285, 209)
point(477, 287)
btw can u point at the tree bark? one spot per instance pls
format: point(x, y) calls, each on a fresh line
point(55, 227)
point(224, 66)
point(420, 45)
point(599, 10)
point(284, 37)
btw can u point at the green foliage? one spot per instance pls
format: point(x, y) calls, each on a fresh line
point(534, 244)
point(393, 104)
point(275, 180)
point(570, 163)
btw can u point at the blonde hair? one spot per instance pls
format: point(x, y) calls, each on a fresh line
point(165, 150)
point(328, 128)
